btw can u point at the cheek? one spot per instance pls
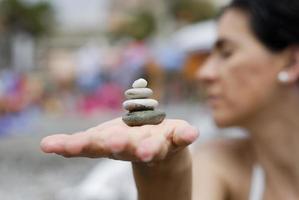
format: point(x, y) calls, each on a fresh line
point(244, 84)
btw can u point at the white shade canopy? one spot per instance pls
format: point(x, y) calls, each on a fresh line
point(196, 37)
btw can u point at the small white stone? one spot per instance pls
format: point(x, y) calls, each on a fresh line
point(136, 93)
point(145, 102)
point(140, 83)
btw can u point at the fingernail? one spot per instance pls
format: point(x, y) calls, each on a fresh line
point(147, 158)
point(144, 155)
point(190, 135)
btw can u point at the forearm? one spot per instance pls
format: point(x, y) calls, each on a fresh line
point(168, 180)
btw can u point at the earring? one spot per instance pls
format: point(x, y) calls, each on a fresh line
point(283, 77)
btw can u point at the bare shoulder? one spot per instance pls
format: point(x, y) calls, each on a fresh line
point(220, 165)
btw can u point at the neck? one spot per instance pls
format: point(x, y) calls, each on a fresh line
point(275, 137)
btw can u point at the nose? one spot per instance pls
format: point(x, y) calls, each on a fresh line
point(207, 72)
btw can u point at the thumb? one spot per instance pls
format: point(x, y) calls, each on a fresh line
point(185, 134)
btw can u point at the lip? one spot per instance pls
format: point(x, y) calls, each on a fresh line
point(213, 100)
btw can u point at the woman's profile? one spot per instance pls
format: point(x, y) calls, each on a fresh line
point(252, 81)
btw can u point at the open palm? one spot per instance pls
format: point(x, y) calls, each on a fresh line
point(114, 139)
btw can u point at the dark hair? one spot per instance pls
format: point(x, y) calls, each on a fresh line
point(274, 22)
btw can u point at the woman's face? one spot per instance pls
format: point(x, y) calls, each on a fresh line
point(240, 77)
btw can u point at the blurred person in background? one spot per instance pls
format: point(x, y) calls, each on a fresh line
point(251, 80)
point(88, 67)
point(88, 75)
point(20, 100)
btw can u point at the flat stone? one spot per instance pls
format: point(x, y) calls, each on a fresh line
point(136, 93)
point(137, 104)
point(139, 107)
point(140, 118)
point(140, 83)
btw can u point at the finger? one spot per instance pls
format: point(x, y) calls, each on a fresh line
point(54, 143)
point(75, 144)
point(139, 133)
point(106, 138)
point(151, 147)
point(184, 134)
point(117, 142)
point(66, 145)
point(123, 145)
point(105, 142)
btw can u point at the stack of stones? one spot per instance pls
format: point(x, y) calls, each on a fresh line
point(141, 108)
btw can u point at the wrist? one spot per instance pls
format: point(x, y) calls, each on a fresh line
point(179, 161)
point(167, 179)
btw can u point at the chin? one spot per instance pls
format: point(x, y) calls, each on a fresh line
point(224, 121)
point(223, 124)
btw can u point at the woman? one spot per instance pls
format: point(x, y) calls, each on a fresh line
point(251, 80)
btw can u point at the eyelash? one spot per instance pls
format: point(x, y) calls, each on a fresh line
point(225, 53)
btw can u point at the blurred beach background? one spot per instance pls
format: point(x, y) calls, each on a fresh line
point(64, 66)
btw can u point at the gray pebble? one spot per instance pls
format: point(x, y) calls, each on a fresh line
point(144, 117)
point(139, 107)
point(132, 103)
point(138, 93)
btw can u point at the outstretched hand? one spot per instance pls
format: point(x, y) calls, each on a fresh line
point(114, 139)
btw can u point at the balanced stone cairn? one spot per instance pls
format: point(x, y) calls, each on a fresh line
point(141, 108)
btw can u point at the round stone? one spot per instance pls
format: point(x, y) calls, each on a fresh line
point(144, 117)
point(140, 83)
point(136, 93)
point(137, 104)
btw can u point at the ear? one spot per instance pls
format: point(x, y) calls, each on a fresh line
point(293, 68)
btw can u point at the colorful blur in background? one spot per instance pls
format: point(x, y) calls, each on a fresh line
point(64, 66)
